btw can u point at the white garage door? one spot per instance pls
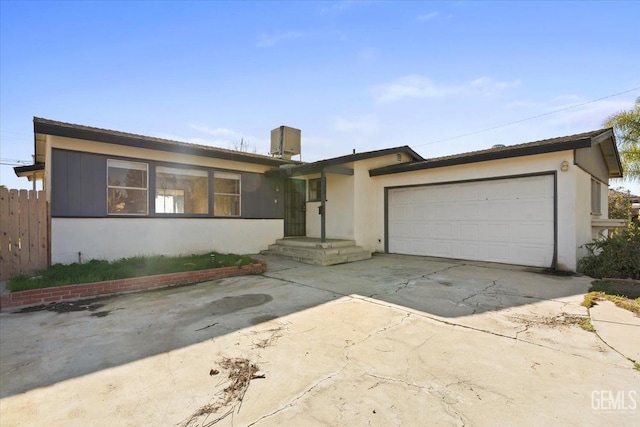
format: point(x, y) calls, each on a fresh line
point(506, 220)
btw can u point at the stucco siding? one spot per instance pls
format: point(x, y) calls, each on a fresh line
point(114, 238)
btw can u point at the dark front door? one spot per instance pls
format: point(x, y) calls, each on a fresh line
point(295, 191)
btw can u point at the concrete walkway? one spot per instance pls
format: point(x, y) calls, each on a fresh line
point(618, 327)
point(385, 342)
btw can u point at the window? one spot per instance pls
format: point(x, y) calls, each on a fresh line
point(182, 191)
point(596, 197)
point(226, 194)
point(127, 187)
point(314, 190)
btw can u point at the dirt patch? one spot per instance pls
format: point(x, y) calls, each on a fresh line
point(274, 334)
point(561, 320)
point(241, 372)
point(229, 305)
point(65, 307)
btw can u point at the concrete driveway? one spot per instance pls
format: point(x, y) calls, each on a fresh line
point(389, 341)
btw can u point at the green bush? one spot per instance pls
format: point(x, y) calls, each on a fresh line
point(616, 256)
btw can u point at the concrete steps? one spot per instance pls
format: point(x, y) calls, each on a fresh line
point(313, 251)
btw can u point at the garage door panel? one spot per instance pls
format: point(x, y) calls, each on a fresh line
point(399, 212)
point(495, 210)
point(470, 230)
point(493, 190)
point(536, 209)
point(442, 248)
point(466, 211)
point(496, 232)
point(531, 232)
point(468, 250)
point(498, 252)
point(443, 230)
point(506, 220)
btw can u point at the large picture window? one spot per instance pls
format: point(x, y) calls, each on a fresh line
point(127, 184)
point(181, 191)
point(226, 194)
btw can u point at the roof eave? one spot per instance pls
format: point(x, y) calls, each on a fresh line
point(481, 157)
point(28, 171)
point(317, 167)
point(47, 128)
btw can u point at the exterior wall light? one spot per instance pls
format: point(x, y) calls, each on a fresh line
point(564, 166)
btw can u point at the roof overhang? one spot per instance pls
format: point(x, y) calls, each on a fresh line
point(43, 127)
point(32, 172)
point(603, 137)
point(336, 165)
point(610, 154)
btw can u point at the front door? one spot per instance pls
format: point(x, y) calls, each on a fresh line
point(295, 191)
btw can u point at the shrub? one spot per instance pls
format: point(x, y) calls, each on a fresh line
point(616, 256)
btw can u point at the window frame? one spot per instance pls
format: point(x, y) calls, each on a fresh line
point(229, 175)
point(146, 188)
point(596, 199)
point(316, 182)
point(186, 168)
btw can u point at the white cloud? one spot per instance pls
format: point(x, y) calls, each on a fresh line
point(489, 86)
point(428, 16)
point(416, 86)
point(360, 124)
point(270, 40)
point(217, 132)
point(221, 137)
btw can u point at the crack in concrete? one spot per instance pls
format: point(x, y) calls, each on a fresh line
point(606, 343)
point(332, 375)
point(493, 283)
point(436, 319)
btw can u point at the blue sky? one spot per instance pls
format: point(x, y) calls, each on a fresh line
point(351, 75)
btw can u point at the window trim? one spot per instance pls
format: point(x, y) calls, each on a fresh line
point(146, 188)
point(318, 190)
point(229, 175)
point(172, 167)
point(596, 202)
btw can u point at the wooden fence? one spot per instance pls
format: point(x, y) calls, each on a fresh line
point(24, 232)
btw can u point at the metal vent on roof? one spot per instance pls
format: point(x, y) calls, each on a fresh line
point(499, 146)
point(285, 142)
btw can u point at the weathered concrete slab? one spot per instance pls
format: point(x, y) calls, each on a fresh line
point(619, 328)
point(388, 341)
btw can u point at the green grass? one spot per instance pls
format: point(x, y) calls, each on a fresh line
point(97, 270)
point(587, 325)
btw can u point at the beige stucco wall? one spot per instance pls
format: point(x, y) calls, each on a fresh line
point(370, 223)
point(339, 207)
point(114, 238)
point(347, 209)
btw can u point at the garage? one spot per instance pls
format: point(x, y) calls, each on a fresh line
point(507, 220)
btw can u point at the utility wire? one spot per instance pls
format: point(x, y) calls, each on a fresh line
point(528, 118)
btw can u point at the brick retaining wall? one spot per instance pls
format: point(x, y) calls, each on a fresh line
point(133, 284)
